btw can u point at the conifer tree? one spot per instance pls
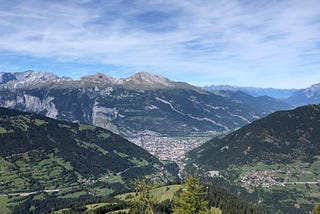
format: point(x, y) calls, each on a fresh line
point(191, 199)
point(143, 202)
point(317, 209)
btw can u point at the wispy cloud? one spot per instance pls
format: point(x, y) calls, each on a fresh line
point(240, 42)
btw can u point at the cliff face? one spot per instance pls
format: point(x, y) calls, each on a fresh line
point(142, 103)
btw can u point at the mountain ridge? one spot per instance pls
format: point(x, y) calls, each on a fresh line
point(289, 124)
point(139, 80)
point(142, 103)
point(54, 161)
point(310, 95)
point(254, 91)
point(274, 161)
point(26, 78)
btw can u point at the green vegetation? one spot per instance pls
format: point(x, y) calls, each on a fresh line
point(165, 193)
point(104, 135)
point(191, 199)
point(273, 162)
point(148, 198)
point(47, 164)
point(3, 130)
point(143, 202)
point(92, 207)
point(83, 127)
point(215, 210)
point(3, 204)
point(38, 122)
point(293, 186)
point(160, 194)
point(138, 162)
point(120, 154)
point(91, 146)
point(191, 195)
point(317, 209)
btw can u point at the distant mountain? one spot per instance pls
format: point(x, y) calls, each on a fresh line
point(26, 79)
point(294, 97)
point(143, 104)
point(40, 156)
point(272, 156)
point(310, 95)
point(254, 91)
point(140, 80)
point(264, 103)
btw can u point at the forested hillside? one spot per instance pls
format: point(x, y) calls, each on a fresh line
point(54, 159)
point(274, 161)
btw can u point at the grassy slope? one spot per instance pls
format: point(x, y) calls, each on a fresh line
point(160, 194)
point(65, 160)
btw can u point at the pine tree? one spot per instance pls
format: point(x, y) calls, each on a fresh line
point(317, 209)
point(191, 199)
point(143, 202)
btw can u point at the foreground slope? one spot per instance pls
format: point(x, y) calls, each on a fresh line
point(39, 155)
point(278, 156)
point(219, 201)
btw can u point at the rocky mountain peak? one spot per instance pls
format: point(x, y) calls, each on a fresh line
point(312, 91)
point(26, 78)
point(138, 81)
point(149, 80)
point(101, 78)
point(315, 87)
point(35, 76)
point(6, 77)
point(310, 95)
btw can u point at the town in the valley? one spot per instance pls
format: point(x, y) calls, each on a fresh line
point(169, 148)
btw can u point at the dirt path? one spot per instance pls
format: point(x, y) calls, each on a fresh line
point(30, 193)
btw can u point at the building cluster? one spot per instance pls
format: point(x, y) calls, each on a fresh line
point(169, 148)
point(264, 178)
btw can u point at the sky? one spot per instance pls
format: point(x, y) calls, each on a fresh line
point(264, 43)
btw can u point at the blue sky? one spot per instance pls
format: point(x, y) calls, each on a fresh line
point(267, 43)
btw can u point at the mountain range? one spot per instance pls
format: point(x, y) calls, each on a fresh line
point(293, 97)
point(254, 91)
point(276, 159)
point(272, 159)
point(143, 104)
point(310, 95)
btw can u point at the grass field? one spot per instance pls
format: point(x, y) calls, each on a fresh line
point(160, 193)
point(27, 174)
point(164, 193)
point(3, 204)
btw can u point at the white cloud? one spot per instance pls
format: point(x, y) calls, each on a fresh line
point(245, 42)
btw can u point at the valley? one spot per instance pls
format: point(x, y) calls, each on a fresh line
point(159, 107)
point(159, 130)
point(165, 117)
point(171, 148)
